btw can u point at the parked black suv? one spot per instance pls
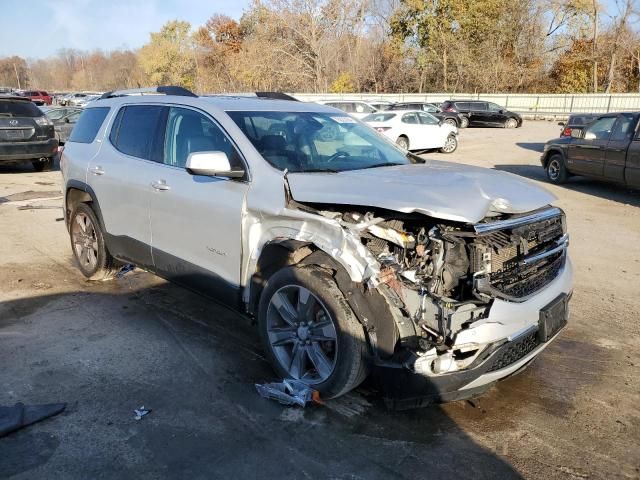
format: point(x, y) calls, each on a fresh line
point(483, 114)
point(608, 148)
point(452, 118)
point(26, 133)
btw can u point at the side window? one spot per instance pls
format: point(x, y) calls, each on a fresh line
point(189, 131)
point(427, 119)
point(430, 109)
point(410, 118)
point(600, 129)
point(463, 106)
point(494, 107)
point(479, 106)
point(138, 131)
point(621, 129)
point(88, 125)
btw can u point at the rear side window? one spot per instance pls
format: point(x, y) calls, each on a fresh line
point(89, 123)
point(19, 108)
point(139, 131)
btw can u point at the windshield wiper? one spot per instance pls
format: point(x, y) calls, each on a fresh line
point(315, 170)
point(377, 165)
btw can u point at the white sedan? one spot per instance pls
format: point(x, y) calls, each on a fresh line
point(414, 130)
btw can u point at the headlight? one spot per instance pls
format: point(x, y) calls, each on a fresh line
point(43, 121)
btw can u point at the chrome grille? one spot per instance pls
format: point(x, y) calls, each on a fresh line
point(519, 260)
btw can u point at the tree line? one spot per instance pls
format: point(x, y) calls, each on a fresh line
point(378, 46)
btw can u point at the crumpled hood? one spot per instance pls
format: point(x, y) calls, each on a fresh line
point(446, 190)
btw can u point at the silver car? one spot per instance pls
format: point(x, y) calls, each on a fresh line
point(355, 257)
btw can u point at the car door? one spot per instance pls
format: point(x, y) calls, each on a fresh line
point(196, 220)
point(632, 167)
point(616, 151)
point(120, 176)
point(431, 132)
point(586, 155)
point(412, 128)
point(479, 113)
point(495, 114)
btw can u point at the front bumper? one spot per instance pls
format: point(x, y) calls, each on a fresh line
point(28, 150)
point(510, 334)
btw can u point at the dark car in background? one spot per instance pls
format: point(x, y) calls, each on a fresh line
point(39, 97)
point(483, 114)
point(576, 122)
point(26, 133)
point(452, 118)
point(607, 149)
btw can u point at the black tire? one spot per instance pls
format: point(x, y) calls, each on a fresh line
point(451, 121)
point(464, 122)
point(105, 266)
point(451, 145)
point(556, 169)
point(403, 142)
point(39, 166)
point(511, 123)
point(350, 366)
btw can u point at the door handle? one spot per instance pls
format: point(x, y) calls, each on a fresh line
point(160, 185)
point(97, 170)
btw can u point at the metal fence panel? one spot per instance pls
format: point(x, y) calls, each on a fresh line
point(534, 104)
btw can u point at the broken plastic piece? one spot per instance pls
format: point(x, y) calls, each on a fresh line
point(141, 412)
point(125, 269)
point(288, 392)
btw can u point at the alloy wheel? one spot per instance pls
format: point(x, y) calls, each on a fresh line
point(85, 241)
point(302, 335)
point(554, 169)
point(450, 144)
point(511, 123)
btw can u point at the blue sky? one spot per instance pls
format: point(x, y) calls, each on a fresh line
point(39, 28)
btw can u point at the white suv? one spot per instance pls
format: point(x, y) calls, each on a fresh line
point(354, 256)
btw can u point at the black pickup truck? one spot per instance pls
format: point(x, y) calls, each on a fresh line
point(607, 149)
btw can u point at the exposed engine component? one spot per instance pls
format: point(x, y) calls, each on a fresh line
point(445, 276)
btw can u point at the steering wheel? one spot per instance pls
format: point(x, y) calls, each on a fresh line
point(337, 155)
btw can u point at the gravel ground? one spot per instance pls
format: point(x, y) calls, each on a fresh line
point(107, 348)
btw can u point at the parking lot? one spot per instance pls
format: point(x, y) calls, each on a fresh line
point(108, 348)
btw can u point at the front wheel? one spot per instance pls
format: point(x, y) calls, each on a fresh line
point(87, 242)
point(451, 122)
point(310, 333)
point(556, 170)
point(403, 142)
point(464, 122)
point(510, 123)
point(450, 144)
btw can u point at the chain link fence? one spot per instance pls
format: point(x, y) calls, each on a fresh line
point(526, 104)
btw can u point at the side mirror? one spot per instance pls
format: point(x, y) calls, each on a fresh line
point(211, 164)
point(575, 133)
point(66, 120)
point(502, 111)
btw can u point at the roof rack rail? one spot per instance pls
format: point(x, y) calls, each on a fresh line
point(162, 90)
point(276, 96)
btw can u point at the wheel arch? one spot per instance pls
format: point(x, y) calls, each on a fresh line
point(368, 304)
point(551, 152)
point(79, 192)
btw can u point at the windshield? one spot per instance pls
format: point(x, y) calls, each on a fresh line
point(378, 117)
point(309, 141)
point(19, 108)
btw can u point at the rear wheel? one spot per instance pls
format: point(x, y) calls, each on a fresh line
point(450, 144)
point(403, 142)
point(556, 170)
point(310, 333)
point(87, 242)
point(44, 165)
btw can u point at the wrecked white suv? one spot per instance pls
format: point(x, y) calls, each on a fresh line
point(355, 257)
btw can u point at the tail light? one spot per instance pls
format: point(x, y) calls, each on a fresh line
point(382, 129)
point(566, 132)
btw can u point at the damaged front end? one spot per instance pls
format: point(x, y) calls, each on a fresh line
point(442, 280)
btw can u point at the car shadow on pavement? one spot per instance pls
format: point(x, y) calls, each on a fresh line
point(115, 346)
point(609, 191)
point(534, 146)
point(26, 167)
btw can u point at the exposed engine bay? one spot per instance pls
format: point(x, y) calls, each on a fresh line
point(444, 276)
